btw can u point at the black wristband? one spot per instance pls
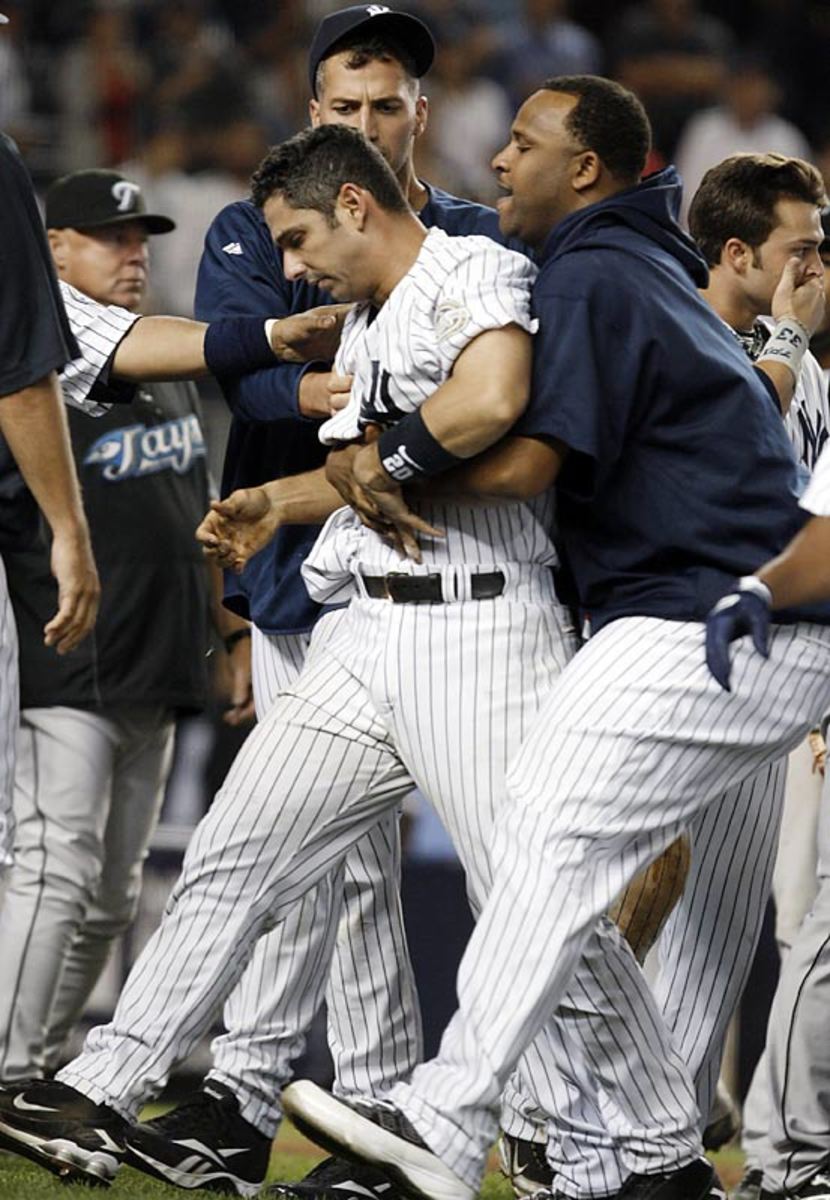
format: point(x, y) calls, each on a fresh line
point(236, 345)
point(232, 638)
point(408, 450)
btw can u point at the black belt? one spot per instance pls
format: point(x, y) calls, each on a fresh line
point(428, 589)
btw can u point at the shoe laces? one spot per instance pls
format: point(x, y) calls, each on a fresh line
point(204, 1113)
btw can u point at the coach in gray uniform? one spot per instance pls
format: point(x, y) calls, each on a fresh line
point(96, 728)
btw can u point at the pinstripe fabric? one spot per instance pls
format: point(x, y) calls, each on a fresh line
point(311, 779)
point(707, 948)
point(816, 498)
point(631, 745)
point(361, 961)
point(98, 330)
point(9, 710)
point(457, 289)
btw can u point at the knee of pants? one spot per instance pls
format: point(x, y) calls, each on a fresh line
point(71, 866)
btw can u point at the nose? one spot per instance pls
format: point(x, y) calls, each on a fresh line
point(498, 162)
point(138, 252)
point(368, 124)
point(293, 267)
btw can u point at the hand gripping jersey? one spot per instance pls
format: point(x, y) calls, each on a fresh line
point(457, 288)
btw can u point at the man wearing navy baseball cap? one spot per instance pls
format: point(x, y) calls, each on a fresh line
point(371, 21)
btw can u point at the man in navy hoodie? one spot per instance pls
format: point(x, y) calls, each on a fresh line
point(674, 475)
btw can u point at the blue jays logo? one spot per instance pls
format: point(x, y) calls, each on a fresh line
point(136, 451)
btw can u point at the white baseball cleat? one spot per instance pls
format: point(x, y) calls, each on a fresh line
point(374, 1131)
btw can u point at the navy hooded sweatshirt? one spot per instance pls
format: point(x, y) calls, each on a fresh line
point(680, 475)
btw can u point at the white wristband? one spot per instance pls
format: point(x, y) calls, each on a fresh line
point(751, 583)
point(269, 325)
point(787, 344)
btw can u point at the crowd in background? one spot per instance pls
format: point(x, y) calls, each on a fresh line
point(186, 96)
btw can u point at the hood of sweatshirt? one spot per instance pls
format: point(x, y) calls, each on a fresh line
point(649, 209)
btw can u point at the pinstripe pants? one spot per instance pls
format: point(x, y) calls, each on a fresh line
point(632, 744)
point(705, 954)
point(442, 694)
point(374, 1019)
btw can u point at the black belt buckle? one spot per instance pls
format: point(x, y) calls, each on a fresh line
point(404, 588)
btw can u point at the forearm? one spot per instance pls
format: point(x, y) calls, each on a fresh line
point(801, 573)
point(33, 422)
point(782, 380)
point(307, 499)
point(159, 348)
point(516, 468)
point(485, 395)
point(224, 621)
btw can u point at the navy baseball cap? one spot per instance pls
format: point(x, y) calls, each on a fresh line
point(374, 20)
point(87, 199)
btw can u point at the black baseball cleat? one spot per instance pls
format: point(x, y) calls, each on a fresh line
point(695, 1181)
point(58, 1128)
point(749, 1187)
point(374, 1132)
point(817, 1187)
point(204, 1143)
point(336, 1179)
point(525, 1165)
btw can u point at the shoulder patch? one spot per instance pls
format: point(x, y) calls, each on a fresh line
point(450, 318)
point(232, 248)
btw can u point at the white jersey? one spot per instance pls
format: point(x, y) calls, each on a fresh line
point(457, 288)
point(816, 499)
point(99, 330)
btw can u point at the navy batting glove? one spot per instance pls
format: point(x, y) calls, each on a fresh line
point(746, 610)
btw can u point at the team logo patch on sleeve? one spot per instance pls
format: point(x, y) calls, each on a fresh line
point(451, 316)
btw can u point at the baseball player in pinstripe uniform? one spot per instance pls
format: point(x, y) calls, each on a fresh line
point(330, 757)
point(658, 503)
point(364, 67)
point(755, 220)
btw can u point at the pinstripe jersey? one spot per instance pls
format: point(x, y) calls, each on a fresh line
point(807, 420)
point(816, 499)
point(99, 329)
point(457, 288)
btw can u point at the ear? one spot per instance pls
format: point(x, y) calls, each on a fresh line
point(421, 115)
point(314, 113)
point(585, 171)
point(736, 255)
point(58, 246)
point(352, 205)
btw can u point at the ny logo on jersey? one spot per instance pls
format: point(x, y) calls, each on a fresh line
point(814, 434)
point(125, 194)
point(378, 408)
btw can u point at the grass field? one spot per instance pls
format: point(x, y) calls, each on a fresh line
point(292, 1157)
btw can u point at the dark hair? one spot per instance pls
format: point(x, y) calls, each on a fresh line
point(737, 198)
point(363, 49)
point(608, 119)
point(311, 167)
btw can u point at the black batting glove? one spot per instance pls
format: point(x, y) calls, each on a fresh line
point(746, 610)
